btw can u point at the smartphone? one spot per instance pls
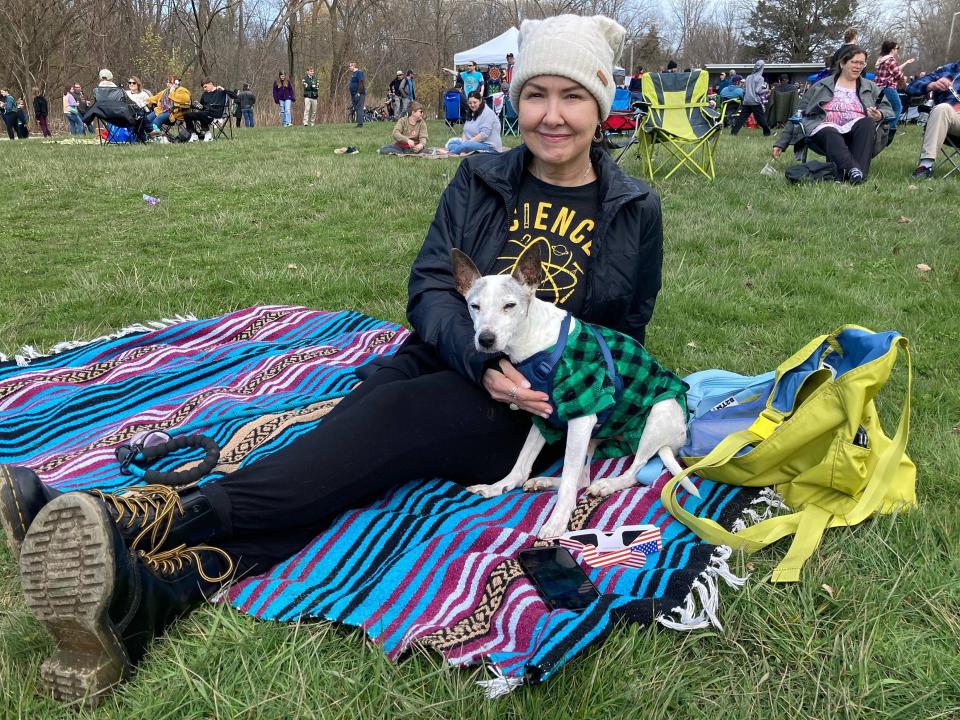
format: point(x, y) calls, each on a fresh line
point(558, 578)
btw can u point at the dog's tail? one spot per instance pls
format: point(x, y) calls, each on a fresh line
point(671, 464)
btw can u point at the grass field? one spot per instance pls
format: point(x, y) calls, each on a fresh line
point(754, 268)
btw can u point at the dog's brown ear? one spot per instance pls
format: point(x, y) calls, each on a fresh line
point(529, 268)
point(465, 273)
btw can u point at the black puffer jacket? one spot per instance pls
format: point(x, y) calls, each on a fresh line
point(475, 211)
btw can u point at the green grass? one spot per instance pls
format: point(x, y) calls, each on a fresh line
point(754, 268)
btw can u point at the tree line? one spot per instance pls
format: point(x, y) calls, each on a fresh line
point(51, 43)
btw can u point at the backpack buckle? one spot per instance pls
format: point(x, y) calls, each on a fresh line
point(764, 425)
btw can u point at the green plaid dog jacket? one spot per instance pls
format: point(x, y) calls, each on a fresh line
point(619, 383)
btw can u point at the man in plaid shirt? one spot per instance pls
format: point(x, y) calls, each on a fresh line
point(944, 83)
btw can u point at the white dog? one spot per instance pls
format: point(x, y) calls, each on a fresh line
point(509, 318)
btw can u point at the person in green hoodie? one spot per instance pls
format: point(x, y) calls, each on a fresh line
point(309, 97)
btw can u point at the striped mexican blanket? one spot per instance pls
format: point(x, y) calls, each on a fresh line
point(429, 565)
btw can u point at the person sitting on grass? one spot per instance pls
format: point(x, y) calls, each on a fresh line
point(168, 105)
point(481, 131)
point(104, 585)
point(944, 119)
point(409, 134)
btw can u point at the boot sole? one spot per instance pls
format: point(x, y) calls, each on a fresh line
point(11, 514)
point(67, 570)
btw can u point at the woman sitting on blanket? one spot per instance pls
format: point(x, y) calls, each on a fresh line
point(409, 134)
point(481, 131)
point(107, 573)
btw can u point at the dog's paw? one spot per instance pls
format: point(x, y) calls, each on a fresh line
point(487, 491)
point(541, 483)
point(608, 486)
point(554, 527)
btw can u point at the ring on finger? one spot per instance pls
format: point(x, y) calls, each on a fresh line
point(513, 393)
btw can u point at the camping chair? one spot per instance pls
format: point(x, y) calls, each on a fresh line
point(800, 154)
point(622, 118)
point(222, 126)
point(451, 109)
point(950, 151)
point(110, 134)
point(782, 105)
point(510, 123)
point(677, 117)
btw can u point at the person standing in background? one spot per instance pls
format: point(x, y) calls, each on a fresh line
point(395, 98)
point(245, 101)
point(309, 97)
point(890, 79)
point(408, 92)
point(508, 73)
point(71, 114)
point(40, 111)
point(284, 98)
point(358, 92)
point(82, 106)
point(9, 110)
point(753, 102)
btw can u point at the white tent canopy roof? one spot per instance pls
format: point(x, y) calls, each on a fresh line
point(492, 51)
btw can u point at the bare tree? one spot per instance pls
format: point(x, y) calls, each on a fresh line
point(33, 36)
point(197, 18)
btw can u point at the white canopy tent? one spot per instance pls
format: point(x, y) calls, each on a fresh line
point(492, 52)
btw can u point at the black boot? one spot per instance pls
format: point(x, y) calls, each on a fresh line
point(152, 517)
point(102, 601)
point(22, 495)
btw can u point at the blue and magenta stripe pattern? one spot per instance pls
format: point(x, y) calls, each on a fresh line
point(428, 565)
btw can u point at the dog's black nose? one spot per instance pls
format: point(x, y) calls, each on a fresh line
point(486, 339)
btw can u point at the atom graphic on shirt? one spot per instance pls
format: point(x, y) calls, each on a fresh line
point(560, 272)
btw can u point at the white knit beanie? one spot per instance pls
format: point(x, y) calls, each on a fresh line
point(583, 49)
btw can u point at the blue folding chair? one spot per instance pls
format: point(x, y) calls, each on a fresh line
point(510, 124)
point(451, 109)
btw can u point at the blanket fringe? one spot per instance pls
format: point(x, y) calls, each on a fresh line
point(500, 684)
point(29, 353)
point(704, 588)
point(705, 594)
point(769, 500)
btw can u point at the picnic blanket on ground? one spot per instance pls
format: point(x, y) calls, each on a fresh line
point(429, 565)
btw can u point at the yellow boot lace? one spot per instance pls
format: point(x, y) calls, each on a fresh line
point(136, 504)
point(169, 562)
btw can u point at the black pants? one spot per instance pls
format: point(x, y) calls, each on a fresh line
point(851, 149)
point(10, 120)
point(758, 114)
point(192, 118)
point(412, 418)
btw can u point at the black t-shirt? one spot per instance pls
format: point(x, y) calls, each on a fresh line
point(561, 220)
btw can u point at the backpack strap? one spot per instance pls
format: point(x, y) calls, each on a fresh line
point(808, 524)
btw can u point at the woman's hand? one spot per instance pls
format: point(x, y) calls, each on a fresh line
point(776, 152)
point(874, 114)
point(509, 386)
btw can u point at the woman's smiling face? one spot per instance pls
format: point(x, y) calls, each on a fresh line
point(558, 118)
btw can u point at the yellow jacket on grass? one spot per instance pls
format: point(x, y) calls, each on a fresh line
point(175, 101)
